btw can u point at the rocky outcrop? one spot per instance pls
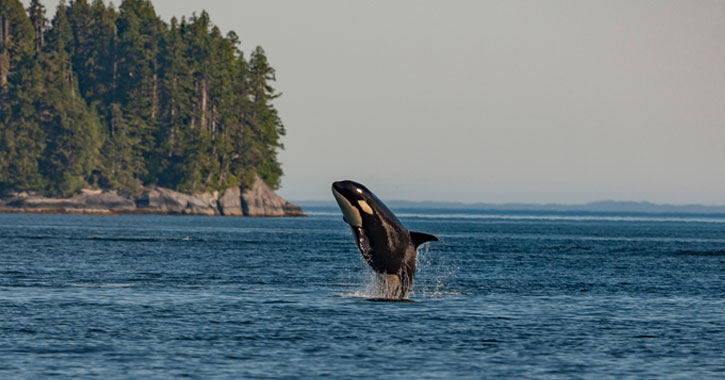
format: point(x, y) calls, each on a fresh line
point(165, 201)
point(258, 200)
point(99, 199)
point(261, 200)
point(230, 204)
point(87, 202)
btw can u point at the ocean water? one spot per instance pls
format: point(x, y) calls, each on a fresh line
point(500, 296)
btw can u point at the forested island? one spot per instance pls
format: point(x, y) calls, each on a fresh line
point(103, 99)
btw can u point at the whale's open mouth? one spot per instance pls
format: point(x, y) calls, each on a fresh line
point(351, 215)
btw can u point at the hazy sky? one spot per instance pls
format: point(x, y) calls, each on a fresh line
point(493, 101)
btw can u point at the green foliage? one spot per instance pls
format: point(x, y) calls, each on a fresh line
point(119, 99)
point(16, 38)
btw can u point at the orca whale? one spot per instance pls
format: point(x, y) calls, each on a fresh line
point(384, 242)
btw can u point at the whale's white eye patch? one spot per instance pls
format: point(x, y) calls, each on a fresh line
point(365, 207)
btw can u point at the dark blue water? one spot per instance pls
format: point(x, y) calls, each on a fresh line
point(507, 296)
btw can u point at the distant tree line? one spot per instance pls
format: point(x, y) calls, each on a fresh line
point(117, 98)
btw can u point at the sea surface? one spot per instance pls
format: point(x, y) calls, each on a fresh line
point(502, 295)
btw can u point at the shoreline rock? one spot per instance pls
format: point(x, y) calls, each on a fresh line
point(257, 201)
point(261, 200)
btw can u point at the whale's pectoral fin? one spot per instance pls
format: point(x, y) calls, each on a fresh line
point(363, 243)
point(420, 238)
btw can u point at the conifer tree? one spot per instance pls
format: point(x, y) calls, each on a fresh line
point(73, 132)
point(16, 37)
point(265, 121)
point(20, 139)
point(36, 12)
point(139, 32)
point(177, 88)
point(119, 99)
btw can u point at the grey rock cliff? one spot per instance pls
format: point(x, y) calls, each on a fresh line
point(261, 200)
point(230, 204)
point(110, 200)
point(166, 201)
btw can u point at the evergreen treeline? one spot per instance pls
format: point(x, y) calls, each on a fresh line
point(117, 98)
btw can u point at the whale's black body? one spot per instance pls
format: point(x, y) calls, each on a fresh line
point(384, 242)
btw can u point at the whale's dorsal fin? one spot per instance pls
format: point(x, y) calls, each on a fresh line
point(419, 238)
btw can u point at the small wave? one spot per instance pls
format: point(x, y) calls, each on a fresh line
point(30, 237)
point(701, 253)
point(139, 239)
point(108, 238)
point(574, 218)
point(371, 297)
point(447, 293)
point(278, 302)
point(493, 215)
point(355, 294)
point(390, 300)
point(62, 350)
point(104, 285)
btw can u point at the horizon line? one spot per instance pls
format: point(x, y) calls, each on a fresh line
point(476, 203)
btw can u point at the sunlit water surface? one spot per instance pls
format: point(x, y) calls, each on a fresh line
point(500, 296)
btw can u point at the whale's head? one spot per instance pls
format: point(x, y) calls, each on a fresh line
point(355, 200)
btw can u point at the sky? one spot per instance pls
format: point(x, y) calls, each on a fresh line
point(493, 101)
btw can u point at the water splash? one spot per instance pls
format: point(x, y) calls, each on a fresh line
point(434, 274)
point(433, 277)
point(377, 286)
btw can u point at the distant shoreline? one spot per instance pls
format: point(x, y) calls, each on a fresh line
point(601, 207)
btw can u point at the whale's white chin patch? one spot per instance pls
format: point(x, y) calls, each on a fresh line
point(351, 214)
